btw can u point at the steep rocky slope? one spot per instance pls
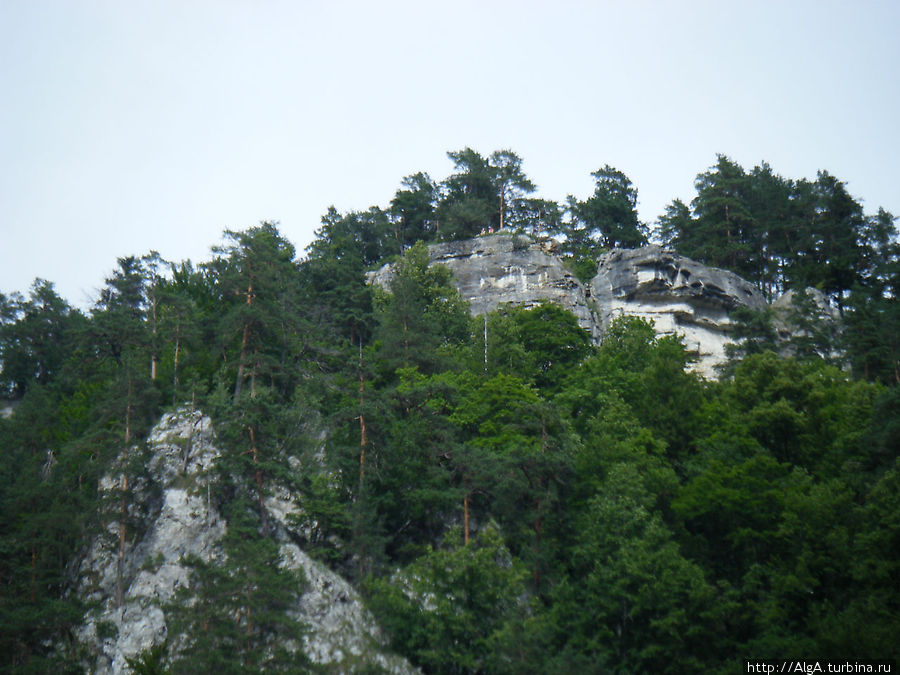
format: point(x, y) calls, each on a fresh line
point(172, 516)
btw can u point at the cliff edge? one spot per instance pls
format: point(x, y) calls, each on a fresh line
point(679, 295)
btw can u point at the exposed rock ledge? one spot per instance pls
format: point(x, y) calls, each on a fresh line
point(679, 295)
point(501, 269)
point(178, 519)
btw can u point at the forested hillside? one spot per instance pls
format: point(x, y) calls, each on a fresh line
point(509, 497)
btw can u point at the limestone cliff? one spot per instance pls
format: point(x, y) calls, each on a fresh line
point(501, 269)
point(172, 516)
point(681, 296)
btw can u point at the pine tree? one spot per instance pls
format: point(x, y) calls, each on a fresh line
point(608, 218)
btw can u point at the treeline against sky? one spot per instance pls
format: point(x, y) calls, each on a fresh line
point(509, 497)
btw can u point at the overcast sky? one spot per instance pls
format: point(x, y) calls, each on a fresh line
point(127, 126)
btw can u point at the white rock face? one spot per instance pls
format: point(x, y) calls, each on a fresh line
point(500, 269)
point(179, 519)
point(680, 296)
point(181, 522)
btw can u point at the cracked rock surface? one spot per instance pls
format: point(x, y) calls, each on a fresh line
point(499, 269)
point(172, 516)
point(679, 295)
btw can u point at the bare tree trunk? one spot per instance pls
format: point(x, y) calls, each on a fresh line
point(242, 359)
point(362, 450)
point(188, 446)
point(362, 423)
point(128, 414)
point(175, 368)
point(253, 375)
point(153, 357)
point(120, 562)
point(238, 384)
point(264, 519)
point(363, 441)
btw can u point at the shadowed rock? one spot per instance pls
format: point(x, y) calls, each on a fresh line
point(171, 517)
point(500, 269)
point(679, 295)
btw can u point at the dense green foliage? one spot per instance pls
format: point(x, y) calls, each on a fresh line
point(510, 497)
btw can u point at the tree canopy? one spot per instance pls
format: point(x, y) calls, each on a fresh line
point(510, 496)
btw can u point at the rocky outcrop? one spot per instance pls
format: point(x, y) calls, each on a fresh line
point(180, 521)
point(807, 320)
point(679, 295)
point(171, 516)
point(792, 302)
point(500, 269)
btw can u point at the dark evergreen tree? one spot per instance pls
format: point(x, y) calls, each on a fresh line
point(234, 618)
point(538, 217)
point(512, 183)
point(769, 200)
point(484, 193)
point(422, 316)
point(470, 201)
point(723, 222)
point(258, 283)
point(333, 278)
point(37, 336)
point(833, 247)
point(608, 218)
point(675, 225)
point(413, 210)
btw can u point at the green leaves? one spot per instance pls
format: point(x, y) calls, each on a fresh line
point(447, 608)
point(235, 617)
point(781, 233)
point(422, 317)
point(483, 193)
point(519, 499)
point(37, 336)
point(608, 218)
point(643, 604)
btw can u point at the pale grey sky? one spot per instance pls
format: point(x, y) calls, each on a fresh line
point(132, 125)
